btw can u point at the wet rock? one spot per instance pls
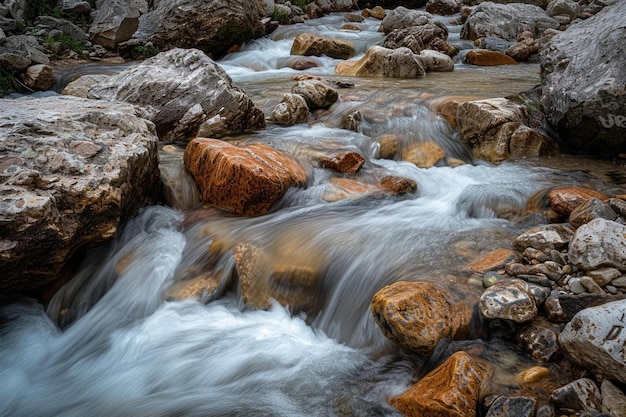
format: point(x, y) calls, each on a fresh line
point(485, 57)
point(423, 154)
point(553, 308)
point(351, 26)
point(342, 188)
point(491, 261)
point(564, 200)
point(116, 21)
point(510, 300)
point(202, 288)
point(545, 238)
point(583, 89)
point(291, 110)
point(81, 86)
point(513, 406)
point(212, 26)
point(619, 206)
point(246, 180)
point(317, 94)
point(540, 280)
point(443, 7)
point(572, 304)
point(451, 390)
point(594, 339)
point(534, 374)
point(589, 210)
point(308, 44)
point(346, 162)
point(491, 278)
point(506, 21)
point(613, 399)
point(185, 94)
point(417, 38)
point(379, 61)
point(522, 51)
point(447, 107)
point(599, 243)
point(414, 315)
point(377, 13)
point(38, 77)
point(388, 145)
point(352, 121)
point(401, 18)
point(398, 185)
point(354, 17)
point(85, 168)
point(580, 395)
point(541, 343)
point(434, 61)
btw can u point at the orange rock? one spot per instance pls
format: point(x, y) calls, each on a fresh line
point(346, 162)
point(351, 26)
point(451, 390)
point(423, 154)
point(309, 44)
point(398, 185)
point(348, 187)
point(485, 57)
point(245, 180)
point(387, 146)
point(447, 107)
point(377, 13)
point(565, 199)
point(493, 260)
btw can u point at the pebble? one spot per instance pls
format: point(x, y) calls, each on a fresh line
point(536, 279)
point(490, 278)
point(590, 285)
point(534, 374)
point(576, 286)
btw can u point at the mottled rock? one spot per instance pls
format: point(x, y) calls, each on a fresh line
point(317, 94)
point(38, 77)
point(509, 300)
point(417, 38)
point(541, 343)
point(580, 395)
point(291, 110)
point(451, 390)
point(185, 93)
point(564, 200)
point(443, 7)
point(485, 57)
point(81, 86)
point(589, 210)
point(599, 243)
point(545, 238)
point(398, 185)
point(401, 17)
point(522, 51)
point(346, 162)
point(613, 399)
point(603, 276)
point(553, 308)
point(513, 407)
point(308, 44)
point(72, 170)
point(379, 61)
point(116, 21)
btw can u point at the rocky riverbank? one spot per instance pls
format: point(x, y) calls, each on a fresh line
point(74, 169)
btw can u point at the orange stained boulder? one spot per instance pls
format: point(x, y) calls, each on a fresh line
point(564, 200)
point(485, 57)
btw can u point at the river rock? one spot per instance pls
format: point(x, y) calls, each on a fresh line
point(398, 185)
point(541, 343)
point(80, 87)
point(377, 13)
point(564, 200)
point(116, 21)
point(599, 243)
point(513, 406)
point(591, 209)
point(485, 57)
point(434, 61)
point(380, 61)
point(71, 171)
point(346, 162)
point(308, 44)
point(522, 51)
point(506, 21)
point(510, 300)
point(212, 26)
point(583, 93)
point(613, 399)
point(545, 238)
point(401, 18)
point(423, 154)
point(316, 93)
point(185, 94)
point(417, 38)
point(246, 180)
point(291, 110)
point(594, 339)
point(443, 7)
point(38, 77)
point(452, 389)
point(580, 395)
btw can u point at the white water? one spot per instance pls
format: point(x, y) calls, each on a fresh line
point(127, 352)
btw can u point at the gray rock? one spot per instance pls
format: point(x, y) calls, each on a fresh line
point(619, 206)
point(567, 8)
point(589, 210)
point(590, 285)
point(583, 89)
point(116, 21)
point(496, 44)
point(185, 94)
point(613, 399)
point(27, 46)
point(545, 238)
point(401, 18)
point(546, 410)
point(65, 26)
point(7, 24)
point(292, 109)
point(317, 94)
point(81, 86)
point(580, 395)
point(434, 61)
point(576, 286)
point(572, 304)
point(71, 171)
point(599, 243)
point(513, 406)
point(75, 6)
point(17, 8)
point(14, 62)
point(595, 338)
point(510, 300)
point(506, 21)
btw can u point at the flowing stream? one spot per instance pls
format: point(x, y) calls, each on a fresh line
point(111, 343)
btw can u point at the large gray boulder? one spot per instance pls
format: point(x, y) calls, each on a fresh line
point(185, 94)
point(506, 21)
point(116, 21)
point(402, 18)
point(599, 243)
point(584, 84)
point(71, 171)
point(212, 26)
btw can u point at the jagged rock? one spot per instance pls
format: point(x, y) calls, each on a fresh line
point(246, 180)
point(485, 57)
point(345, 162)
point(308, 44)
point(580, 395)
point(81, 86)
point(417, 38)
point(116, 21)
point(599, 243)
point(291, 110)
point(589, 210)
point(401, 18)
point(379, 61)
point(213, 26)
point(506, 21)
point(38, 77)
point(452, 390)
point(564, 200)
point(545, 238)
point(85, 167)
point(583, 89)
point(185, 94)
point(317, 94)
point(509, 299)
point(513, 406)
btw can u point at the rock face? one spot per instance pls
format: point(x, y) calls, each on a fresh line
point(379, 61)
point(245, 180)
point(71, 171)
point(506, 21)
point(185, 94)
point(583, 89)
point(308, 44)
point(599, 243)
point(212, 26)
point(116, 21)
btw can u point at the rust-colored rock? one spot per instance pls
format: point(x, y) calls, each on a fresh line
point(447, 107)
point(398, 185)
point(451, 390)
point(345, 162)
point(565, 199)
point(377, 13)
point(423, 154)
point(349, 188)
point(387, 146)
point(241, 179)
point(493, 260)
point(308, 44)
point(485, 57)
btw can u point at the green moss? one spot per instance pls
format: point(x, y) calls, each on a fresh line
point(68, 42)
point(300, 3)
point(143, 51)
point(281, 16)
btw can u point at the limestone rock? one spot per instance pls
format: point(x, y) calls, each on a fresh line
point(580, 395)
point(564, 200)
point(81, 86)
point(595, 337)
point(485, 57)
point(506, 21)
point(510, 300)
point(291, 110)
point(379, 61)
point(599, 243)
point(185, 94)
point(452, 390)
point(545, 238)
point(38, 77)
point(85, 167)
point(116, 21)
point(317, 94)
point(583, 89)
point(246, 180)
point(308, 44)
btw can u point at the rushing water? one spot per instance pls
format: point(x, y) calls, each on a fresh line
point(112, 344)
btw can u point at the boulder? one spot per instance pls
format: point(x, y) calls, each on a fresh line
point(591, 209)
point(317, 94)
point(68, 28)
point(564, 200)
point(245, 180)
point(345, 162)
point(212, 26)
point(72, 170)
point(14, 62)
point(443, 7)
point(291, 110)
point(506, 21)
point(80, 87)
point(453, 389)
point(27, 46)
point(417, 38)
point(379, 61)
point(599, 243)
point(485, 57)
point(38, 77)
point(308, 44)
point(584, 88)
point(401, 18)
point(116, 21)
point(434, 61)
point(185, 94)
point(423, 154)
point(509, 299)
